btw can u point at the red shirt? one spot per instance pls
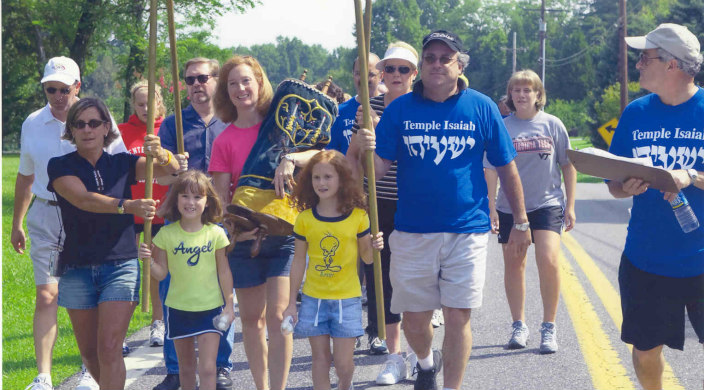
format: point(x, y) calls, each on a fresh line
point(133, 133)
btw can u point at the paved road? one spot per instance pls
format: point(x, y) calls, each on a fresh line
point(591, 356)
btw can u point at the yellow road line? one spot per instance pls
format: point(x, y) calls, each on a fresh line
point(609, 297)
point(604, 364)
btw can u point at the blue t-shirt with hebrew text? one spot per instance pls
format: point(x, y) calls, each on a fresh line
point(673, 138)
point(439, 148)
point(341, 130)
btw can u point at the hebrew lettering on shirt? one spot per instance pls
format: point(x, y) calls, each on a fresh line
point(674, 157)
point(419, 144)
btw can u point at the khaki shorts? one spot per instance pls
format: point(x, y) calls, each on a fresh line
point(43, 227)
point(433, 269)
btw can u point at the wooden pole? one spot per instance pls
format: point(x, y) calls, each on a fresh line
point(175, 77)
point(363, 61)
point(149, 176)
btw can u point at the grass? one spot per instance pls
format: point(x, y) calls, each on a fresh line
point(581, 143)
point(18, 293)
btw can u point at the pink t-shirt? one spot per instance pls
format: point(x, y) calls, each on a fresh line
point(230, 151)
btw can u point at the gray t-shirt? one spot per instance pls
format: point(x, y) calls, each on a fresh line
point(541, 144)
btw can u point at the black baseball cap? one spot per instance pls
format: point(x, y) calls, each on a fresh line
point(449, 38)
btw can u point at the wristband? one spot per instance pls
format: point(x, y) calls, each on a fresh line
point(168, 160)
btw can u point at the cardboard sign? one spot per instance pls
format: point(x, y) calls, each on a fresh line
point(616, 168)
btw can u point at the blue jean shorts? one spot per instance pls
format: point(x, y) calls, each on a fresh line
point(86, 287)
point(274, 260)
point(334, 317)
point(182, 324)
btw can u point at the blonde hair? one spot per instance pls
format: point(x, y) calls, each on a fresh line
point(158, 100)
point(526, 76)
point(224, 108)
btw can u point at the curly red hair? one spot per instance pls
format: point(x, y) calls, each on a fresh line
point(350, 194)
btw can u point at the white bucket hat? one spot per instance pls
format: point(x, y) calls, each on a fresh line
point(673, 38)
point(61, 69)
point(400, 53)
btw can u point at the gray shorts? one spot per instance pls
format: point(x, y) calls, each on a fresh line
point(430, 270)
point(43, 227)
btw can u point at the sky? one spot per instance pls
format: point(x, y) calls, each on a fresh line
point(329, 23)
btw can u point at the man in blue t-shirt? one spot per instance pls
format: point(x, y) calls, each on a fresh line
point(342, 128)
point(438, 134)
point(662, 267)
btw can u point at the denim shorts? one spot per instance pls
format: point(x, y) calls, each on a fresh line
point(334, 317)
point(85, 287)
point(274, 260)
point(182, 324)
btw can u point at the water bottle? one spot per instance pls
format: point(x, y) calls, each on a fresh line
point(221, 322)
point(287, 325)
point(684, 213)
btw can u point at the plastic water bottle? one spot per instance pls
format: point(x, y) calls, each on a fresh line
point(684, 213)
point(287, 325)
point(221, 322)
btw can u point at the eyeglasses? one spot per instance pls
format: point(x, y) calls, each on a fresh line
point(430, 59)
point(645, 59)
point(52, 90)
point(93, 124)
point(202, 78)
point(401, 69)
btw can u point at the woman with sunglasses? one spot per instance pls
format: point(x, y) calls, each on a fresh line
point(399, 71)
point(99, 285)
point(541, 141)
point(133, 132)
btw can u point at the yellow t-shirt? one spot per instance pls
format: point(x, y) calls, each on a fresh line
point(332, 249)
point(194, 273)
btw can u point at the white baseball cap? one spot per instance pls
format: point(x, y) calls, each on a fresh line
point(673, 38)
point(398, 52)
point(61, 69)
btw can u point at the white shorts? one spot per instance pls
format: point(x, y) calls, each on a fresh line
point(43, 227)
point(433, 269)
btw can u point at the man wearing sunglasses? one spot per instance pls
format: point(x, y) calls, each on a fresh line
point(41, 141)
point(661, 274)
point(438, 135)
point(200, 128)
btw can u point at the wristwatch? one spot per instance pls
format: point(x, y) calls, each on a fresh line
point(693, 174)
point(120, 207)
point(522, 226)
point(288, 157)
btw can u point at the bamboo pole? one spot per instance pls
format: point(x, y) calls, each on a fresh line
point(175, 77)
point(149, 176)
point(363, 61)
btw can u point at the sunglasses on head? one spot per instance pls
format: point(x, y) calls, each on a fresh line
point(401, 69)
point(52, 90)
point(93, 124)
point(202, 78)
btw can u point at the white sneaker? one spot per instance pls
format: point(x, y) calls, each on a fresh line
point(39, 384)
point(412, 362)
point(86, 381)
point(438, 319)
point(156, 333)
point(394, 371)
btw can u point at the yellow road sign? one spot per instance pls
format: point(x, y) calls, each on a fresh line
point(607, 130)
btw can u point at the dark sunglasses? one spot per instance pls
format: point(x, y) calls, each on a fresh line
point(52, 90)
point(93, 124)
point(401, 69)
point(430, 59)
point(202, 78)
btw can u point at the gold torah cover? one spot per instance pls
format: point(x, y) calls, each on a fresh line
point(299, 118)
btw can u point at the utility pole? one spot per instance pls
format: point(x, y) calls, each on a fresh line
point(622, 53)
point(542, 28)
point(514, 50)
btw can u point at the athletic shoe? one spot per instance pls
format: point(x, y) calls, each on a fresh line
point(394, 371)
point(548, 338)
point(377, 346)
point(426, 378)
point(86, 381)
point(39, 384)
point(125, 349)
point(171, 382)
point(519, 335)
point(438, 319)
point(156, 333)
point(412, 362)
point(222, 380)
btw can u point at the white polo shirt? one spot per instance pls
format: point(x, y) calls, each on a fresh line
point(41, 140)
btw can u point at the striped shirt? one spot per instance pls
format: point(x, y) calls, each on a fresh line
point(386, 187)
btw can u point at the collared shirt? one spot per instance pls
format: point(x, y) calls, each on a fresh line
point(40, 141)
point(198, 136)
